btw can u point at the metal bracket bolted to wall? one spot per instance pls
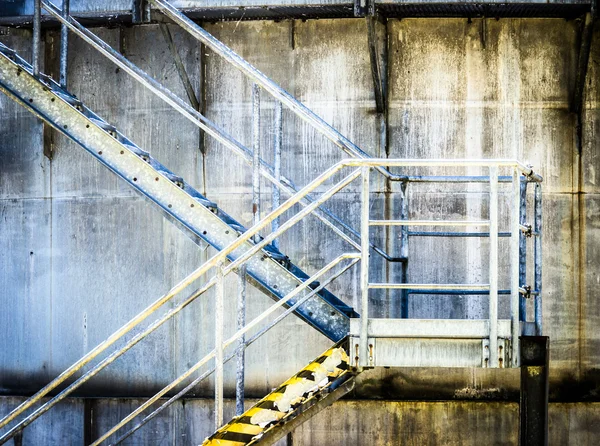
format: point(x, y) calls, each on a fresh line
point(503, 353)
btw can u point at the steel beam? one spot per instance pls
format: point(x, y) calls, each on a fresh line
point(533, 408)
point(177, 199)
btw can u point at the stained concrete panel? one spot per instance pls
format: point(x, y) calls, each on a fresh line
point(24, 171)
point(439, 102)
point(357, 422)
point(294, 59)
point(492, 90)
point(25, 282)
point(63, 425)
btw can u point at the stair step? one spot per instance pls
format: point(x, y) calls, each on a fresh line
point(269, 270)
point(315, 382)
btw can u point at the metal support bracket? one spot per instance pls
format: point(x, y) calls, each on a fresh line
point(361, 8)
point(533, 408)
point(354, 350)
point(577, 104)
point(378, 69)
point(140, 12)
point(503, 353)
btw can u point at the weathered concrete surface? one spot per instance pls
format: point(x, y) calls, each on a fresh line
point(457, 89)
point(346, 422)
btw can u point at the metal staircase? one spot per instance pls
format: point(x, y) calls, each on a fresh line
point(318, 385)
point(270, 270)
point(363, 344)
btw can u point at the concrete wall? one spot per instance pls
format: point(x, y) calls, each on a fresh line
point(81, 253)
point(379, 423)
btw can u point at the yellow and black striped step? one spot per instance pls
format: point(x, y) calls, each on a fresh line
point(282, 402)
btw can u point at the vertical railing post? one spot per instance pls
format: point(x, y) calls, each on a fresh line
point(515, 262)
point(219, 305)
point(278, 141)
point(256, 157)
point(37, 36)
point(64, 45)
point(404, 249)
point(493, 265)
point(538, 259)
point(241, 348)
point(523, 249)
point(364, 270)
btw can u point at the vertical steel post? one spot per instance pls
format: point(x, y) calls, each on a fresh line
point(219, 305)
point(523, 249)
point(256, 157)
point(404, 249)
point(64, 45)
point(363, 349)
point(533, 407)
point(278, 141)
point(493, 265)
point(538, 258)
point(37, 36)
point(241, 323)
point(515, 261)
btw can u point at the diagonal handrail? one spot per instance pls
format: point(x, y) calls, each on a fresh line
point(233, 338)
point(197, 118)
point(267, 84)
point(221, 256)
point(247, 343)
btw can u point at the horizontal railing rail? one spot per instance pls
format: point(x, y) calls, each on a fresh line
point(279, 181)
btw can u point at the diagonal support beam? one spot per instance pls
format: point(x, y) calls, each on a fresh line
point(202, 219)
point(377, 55)
point(577, 103)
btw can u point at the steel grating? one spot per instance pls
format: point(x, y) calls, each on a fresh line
point(10, 14)
point(270, 271)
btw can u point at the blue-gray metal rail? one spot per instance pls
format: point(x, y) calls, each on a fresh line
point(271, 271)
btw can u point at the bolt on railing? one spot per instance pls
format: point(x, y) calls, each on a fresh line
point(516, 254)
point(362, 170)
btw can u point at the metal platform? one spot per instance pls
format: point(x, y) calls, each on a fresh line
point(435, 342)
point(20, 12)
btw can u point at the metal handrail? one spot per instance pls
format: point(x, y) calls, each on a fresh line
point(279, 181)
point(362, 165)
point(221, 256)
point(247, 343)
point(229, 342)
point(267, 84)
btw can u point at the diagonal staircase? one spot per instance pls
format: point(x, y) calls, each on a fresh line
point(270, 270)
point(318, 385)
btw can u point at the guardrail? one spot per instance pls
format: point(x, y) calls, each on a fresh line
point(360, 168)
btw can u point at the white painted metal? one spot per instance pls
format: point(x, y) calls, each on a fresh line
point(493, 267)
point(364, 267)
point(515, 296)
point(430, 328)
point(429, 286)
point(428, 223)
point(219, 304)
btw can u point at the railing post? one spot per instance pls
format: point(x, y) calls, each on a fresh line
point(278, 141)
point(523, 249)
point(241, 323)
point(219, 305)
point(404, 249)
point(37, 35)
point(493, 265)
point(515, 261)
point(64, 45)
point(538, 258)
point(364, 269)
point(256, 157)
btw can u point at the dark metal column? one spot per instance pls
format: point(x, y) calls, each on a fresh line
point(533, 408)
